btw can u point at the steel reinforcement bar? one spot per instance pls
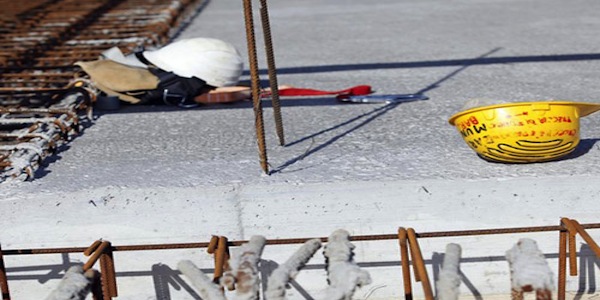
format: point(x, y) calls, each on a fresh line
point(40, 40)
point(102, 251)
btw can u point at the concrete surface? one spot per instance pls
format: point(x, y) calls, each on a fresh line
point(158, 174)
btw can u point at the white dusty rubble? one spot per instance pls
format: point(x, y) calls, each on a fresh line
point(449, 279)
point(343, 274)
point(528, 267)
point(244, 271)
point(75, 285)
point(279, 279)
point(204, 285)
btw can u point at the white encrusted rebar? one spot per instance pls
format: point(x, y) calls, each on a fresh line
point(343, 274)
point(204, 285)
point(244, 273)
point(75, 285)
point(529, 270)
point(287, 271)
point(449, 278)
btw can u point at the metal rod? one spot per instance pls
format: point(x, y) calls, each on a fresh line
point(3, 279)
point(220, 258)
point(419, 264)
point(572, 231)
point(109, 268)
point(255, 86)
point(92, 248)
point(402, 239)
point(105, 278)
point(272, 70)
point(562, 264)
point(95, 256)
point(212, 245)
point(588, 239)
point(374, 237)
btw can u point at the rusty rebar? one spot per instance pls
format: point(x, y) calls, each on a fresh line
point(289, 241)
point(572, 246)
point(588, 239)
point(108, 268)
point(104, 279)
point(562, 264)
point(90, 250)
point(212, 245)
point(221, 257)
point(255, 86)
point(404, 260)
point(37, 54)
point(95, 254)
point(419, 264)
point(3, 278)
point(272, 70)
point(401, 236)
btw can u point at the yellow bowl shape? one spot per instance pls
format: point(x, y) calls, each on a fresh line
point(523, 132)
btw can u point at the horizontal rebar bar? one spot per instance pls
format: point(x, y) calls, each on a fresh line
point(375, 237)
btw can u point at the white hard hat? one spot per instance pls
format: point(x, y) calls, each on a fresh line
point(212, 60)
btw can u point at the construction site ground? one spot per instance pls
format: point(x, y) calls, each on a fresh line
point(159, 174)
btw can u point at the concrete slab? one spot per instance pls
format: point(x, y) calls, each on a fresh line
point(158, 174)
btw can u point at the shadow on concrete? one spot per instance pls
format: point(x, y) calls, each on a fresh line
point(585, 145)
point(165, 278)
point(314, 101)
point(368, 118)
point(588, 262)
point(436, 63)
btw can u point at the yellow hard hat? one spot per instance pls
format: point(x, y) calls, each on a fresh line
point(523, 132)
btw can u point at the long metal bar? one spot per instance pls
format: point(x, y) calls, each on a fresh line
point(403, 241)
point(3, 279)
point(405, 237)
point(272, 70)
point(374, 237)
point(419, 264)
point(572, 245)
point(255, 86)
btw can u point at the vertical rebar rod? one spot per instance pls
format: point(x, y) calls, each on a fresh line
point(108, 262)
point(572, 231)
point(220, 258)
point(562, 264)
point(105, 278)
point(419, 264)
point(572, 242)
point(3, 278)
point(272, 70)
point(402, 236)
point(255, 85)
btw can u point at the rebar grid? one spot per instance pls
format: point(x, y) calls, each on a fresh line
point(39, 43)
point(219, 246)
